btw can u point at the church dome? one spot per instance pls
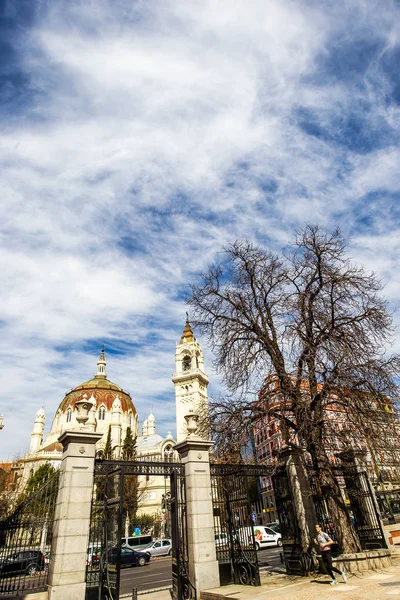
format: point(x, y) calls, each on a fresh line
point(101, 389)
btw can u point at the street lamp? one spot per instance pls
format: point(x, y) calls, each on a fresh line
point(1, 422)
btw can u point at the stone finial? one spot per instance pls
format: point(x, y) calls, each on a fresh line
point(40, 415)
point(151, 424)
point(116, 405)
point(192, 423)
point(83, 407)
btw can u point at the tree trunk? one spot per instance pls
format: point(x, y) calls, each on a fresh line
point(326, 480)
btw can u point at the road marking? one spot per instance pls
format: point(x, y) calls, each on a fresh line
point(380, 576)
point(393, 593)
point(151, 576)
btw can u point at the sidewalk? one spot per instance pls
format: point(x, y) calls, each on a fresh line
point(369, 585)
point(381, 584)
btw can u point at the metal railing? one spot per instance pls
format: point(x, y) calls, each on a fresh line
point(25, 541)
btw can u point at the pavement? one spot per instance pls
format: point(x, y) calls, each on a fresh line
point(382, 584)
point(369, 585)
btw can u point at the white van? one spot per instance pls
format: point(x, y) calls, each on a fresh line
point(264, 537)
point(137, 541)
point(93, 553)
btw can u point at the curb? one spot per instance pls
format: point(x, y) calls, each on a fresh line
point(153, 591)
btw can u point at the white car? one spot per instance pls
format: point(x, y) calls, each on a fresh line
point(158, 548)
point(264, 537)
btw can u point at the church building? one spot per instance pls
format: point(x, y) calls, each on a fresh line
point(113, 409)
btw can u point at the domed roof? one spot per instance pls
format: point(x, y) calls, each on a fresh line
point(103, 390)
point(98, 383)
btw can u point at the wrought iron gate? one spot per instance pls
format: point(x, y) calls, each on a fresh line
point(103, 568)
point(25, 541)
point(182, 587)
point(103, 573)
point(236, 546)
point(365, 514)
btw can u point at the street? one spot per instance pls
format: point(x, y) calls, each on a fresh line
point(157, 574)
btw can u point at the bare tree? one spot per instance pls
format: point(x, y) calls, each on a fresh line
point(229, 424)
point(311, 320)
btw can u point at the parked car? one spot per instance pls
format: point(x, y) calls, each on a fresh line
point(93, 553)
point(129, 557)
point(158, 548)
point(25, 561)
point(264, 537)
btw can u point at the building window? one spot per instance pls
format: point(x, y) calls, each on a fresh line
point(102, 413)
point(69, 415)
point(186, 363)
point(168, 453)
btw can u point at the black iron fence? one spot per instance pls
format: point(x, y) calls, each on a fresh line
point(364, 509)
point(361, 505)
point(236, 506)
point(25, 542)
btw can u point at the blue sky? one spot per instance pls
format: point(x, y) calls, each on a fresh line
point(137, 138)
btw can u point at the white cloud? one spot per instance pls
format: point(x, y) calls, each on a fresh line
point(154, 136)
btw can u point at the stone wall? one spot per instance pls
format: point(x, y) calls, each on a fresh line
point(363, 561)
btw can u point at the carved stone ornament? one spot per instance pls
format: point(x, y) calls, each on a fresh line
point(82, 450)
point(199, 456)
point(83, 407)
point(192, 423)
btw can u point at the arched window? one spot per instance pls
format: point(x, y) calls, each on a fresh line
point(69, 415)
point(168, 453)
point(186, 363)
point(102, 413)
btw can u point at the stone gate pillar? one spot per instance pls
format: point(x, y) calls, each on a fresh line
point(72, 516)
point(203, 564)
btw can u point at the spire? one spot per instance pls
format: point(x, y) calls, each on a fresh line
point(37, 432)
point(187, 335)
point(151, 424)
point(101, 365)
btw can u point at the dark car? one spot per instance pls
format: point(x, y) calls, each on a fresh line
point(129, 557)
point(275, 528)
point(25, 561)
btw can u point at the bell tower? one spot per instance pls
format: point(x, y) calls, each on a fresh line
point(189, 379)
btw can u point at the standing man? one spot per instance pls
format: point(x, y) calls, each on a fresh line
point(325, 542)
